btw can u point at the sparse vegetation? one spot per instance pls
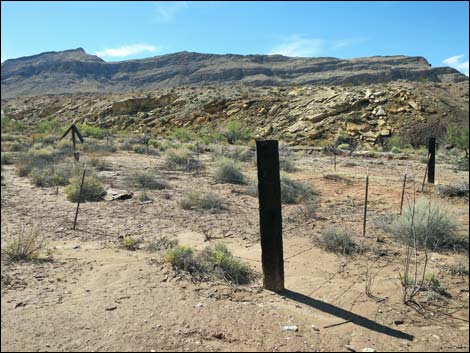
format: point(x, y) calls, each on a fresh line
point(161, 243)
point(293, 191)
point(130, 243)
point(147, 180)
point(207, 201)
point(337, 240)
point(236, 132)
point(453, 190)
point(26, 246)
point(181, 159)
point(6, 158)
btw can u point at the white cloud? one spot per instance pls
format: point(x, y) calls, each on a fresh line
point(296, 45)
point(127, 50)
point(167, 10)
point(457, 63)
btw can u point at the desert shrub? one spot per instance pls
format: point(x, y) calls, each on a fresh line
point(181, 159)
point(337, 241)
point(212, 262)
point(286, 165)
point(182, 258)
point(139, 149)
point(11, 125)
point(458, 269)
point(94, 147)
point(225, 265)
point(458, 136)
point(229, 171)
point(93, 190)
point(182, 134)
point(252, 188)
point(293, 191)
point(453, 190)
point(432, 227)
point(50, 126)
point(100, 164)
point(37, 157)
point(162, 243)
point(234, 131)
point(147, 180)
point(130, 243)
point(337, 178)
point(18, 146)
point(208, 201)
point(6, 158)
point(27, 245)
point(55, 176)
point(432, 283)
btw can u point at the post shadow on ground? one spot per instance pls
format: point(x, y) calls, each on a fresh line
point(346, 315)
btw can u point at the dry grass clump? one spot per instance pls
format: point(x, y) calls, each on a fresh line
point(181, 159)
point(26, 246)
point(146, 180)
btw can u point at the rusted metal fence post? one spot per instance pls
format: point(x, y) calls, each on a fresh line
point(403, 194)
point(334, 160)
point(79, 199)
point(365, 206)
point(269, 191)
point(432, 159)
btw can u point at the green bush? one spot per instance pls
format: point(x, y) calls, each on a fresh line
point(93, 190)
point(92, 131)
point(130, 243)
point(336, 241)
point(8, 138)
point(141, 149)
point(229, 171)
point(182, 134)
point(100, 164)
point(236, 132)
point(6, 158)
point(286, 165)
point(212, 262)
point(432, 227)
point(50, 126)
point(37, 157)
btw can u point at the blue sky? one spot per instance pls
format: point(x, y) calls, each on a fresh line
point(114, 31)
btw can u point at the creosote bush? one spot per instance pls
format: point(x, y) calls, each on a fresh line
point(229, 171)
point(26, 246)
point(213, 262)
point(432, 227)
point(58, 175)
point(6, 158)
point(337, 241)
point(93, 190)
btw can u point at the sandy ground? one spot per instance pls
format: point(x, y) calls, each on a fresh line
point(94, 296)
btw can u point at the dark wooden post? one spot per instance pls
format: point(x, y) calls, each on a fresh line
point(403, 194)
point(432, 159)
point(75, 153)
point(79, 199)
point(334, 157)
point(269, 191)
point(365, 206)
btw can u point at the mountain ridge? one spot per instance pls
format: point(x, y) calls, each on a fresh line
point(75, 71)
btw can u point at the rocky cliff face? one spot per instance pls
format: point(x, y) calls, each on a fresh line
point(75, 71)
point(311, 115)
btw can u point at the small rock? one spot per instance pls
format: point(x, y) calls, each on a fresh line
point(199, 305)
point(368, 349)
point(315, 328)
point(111, 307)
point(291, 328)
point(350, 348)
point(399, 322)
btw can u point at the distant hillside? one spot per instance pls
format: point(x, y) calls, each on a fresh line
point(75, 71)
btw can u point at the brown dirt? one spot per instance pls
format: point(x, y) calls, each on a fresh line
point(94, 296)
